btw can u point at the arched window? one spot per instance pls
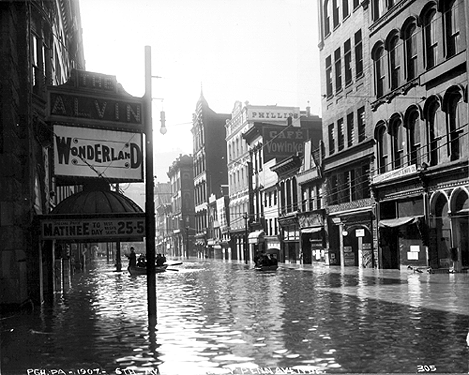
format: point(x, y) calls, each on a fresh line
point(394, 47)
point(456, 115)
point(398, 142)
point(435, 130)
point(413, 126)
point(430, 26)
point(382, 144)
point(379, 69)
point(452, 27)
point(410, 46)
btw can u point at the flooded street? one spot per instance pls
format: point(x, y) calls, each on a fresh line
point(222, 318)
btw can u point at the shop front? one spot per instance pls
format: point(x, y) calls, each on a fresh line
point(313, 237)
point(449, 229)
point(351, 238)
point(290, 249)
point(402, 233)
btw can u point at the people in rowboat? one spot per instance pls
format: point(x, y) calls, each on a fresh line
point(141, 261)
point(160, 260)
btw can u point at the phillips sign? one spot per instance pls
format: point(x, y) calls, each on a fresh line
point(83, 152)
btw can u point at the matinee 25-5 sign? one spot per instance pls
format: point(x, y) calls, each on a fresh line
point(87, 152)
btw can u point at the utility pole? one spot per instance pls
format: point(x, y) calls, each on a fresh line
point(149, 195)
point(245, 216)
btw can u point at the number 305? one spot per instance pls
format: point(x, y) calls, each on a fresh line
point(426, 368)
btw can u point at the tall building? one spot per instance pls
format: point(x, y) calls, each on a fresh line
point(347, 130)
point(240, 172)
point(420, 124)
point(210, 171)
point(396, 132)
point(41, 44)
point(181, 179)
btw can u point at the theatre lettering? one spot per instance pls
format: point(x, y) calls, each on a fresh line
point(85, 107)
point(83, 152)
point(97, 153)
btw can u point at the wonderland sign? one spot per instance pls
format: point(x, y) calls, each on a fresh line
point(96, 153)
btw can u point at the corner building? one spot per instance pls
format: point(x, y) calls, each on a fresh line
point(420, 127)
point(347, 132)
point(41, 44)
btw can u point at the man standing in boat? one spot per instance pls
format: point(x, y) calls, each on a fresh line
point(132, 258)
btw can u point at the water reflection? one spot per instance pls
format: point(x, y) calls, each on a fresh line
point(214, 316)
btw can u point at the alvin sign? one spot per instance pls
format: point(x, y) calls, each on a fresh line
point(96, 100)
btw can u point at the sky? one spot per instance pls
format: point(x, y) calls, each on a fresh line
point(261, 51)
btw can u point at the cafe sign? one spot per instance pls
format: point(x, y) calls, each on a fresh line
point(98, 153)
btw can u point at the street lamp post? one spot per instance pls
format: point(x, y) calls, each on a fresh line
point(149, 195)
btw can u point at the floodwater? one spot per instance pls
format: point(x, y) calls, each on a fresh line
point(218, 317)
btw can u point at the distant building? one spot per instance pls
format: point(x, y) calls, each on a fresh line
point(240, 172)
point(210, 171)
point(163, 224)
point(269, 144)
point(181, 179)
point(41, 44)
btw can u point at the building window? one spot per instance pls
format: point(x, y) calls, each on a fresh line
point(379, 70)
point(413, 124)
point(431, 38)
point(345, 9)
point(395, 61)
point(398, 142)
point(358, 54)
point(350, 129)
point(327, 16)
point(378, 8)
point(348, 62)
point(338, 70)
point(331, 139)
point(456, 111)
point(436, 131)
point(452, 28)
point(329, 76)
point(336, 11)
point(382, 144)
point(410, 42)
point(361, 124)
point(356, 3)
point(340, 134)
point(333, 190)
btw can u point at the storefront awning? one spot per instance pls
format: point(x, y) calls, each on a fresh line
point(256, 237)
point(397, 222)
point(311, 230)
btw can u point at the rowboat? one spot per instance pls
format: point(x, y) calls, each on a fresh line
point(273, 264)
point(134, 271)
point(272, 267)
